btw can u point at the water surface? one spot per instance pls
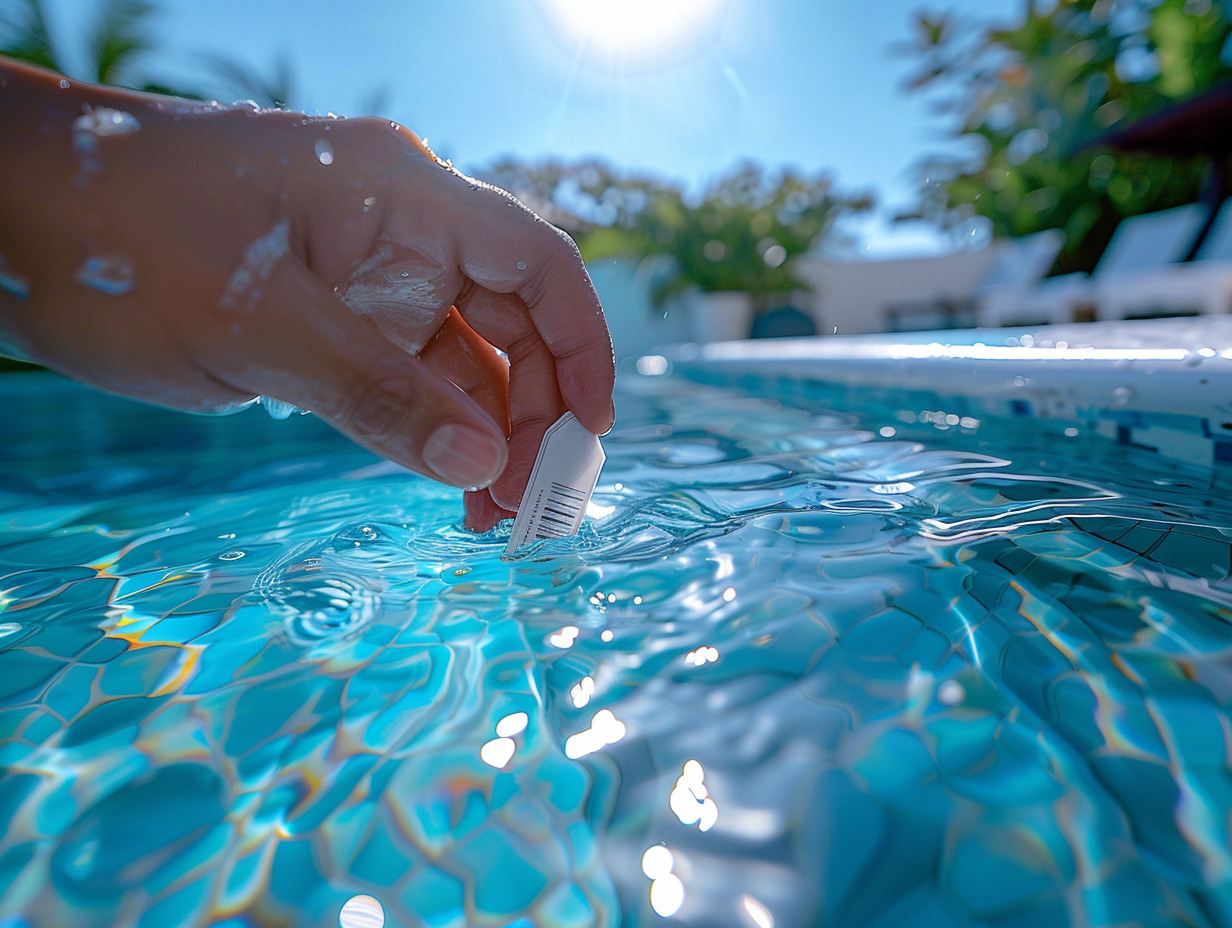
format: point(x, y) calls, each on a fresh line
point(840, 667)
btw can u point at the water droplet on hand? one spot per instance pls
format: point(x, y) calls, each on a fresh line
point(110, 274)
point(521, 265)
point(63, 84)
point(104, 122)
point(325, 151)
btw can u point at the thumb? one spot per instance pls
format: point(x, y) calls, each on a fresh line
point(297, 342)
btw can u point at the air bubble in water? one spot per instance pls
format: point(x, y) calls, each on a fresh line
point(325, 151)
point(110, 274)
point(1122, 395)
point(951, 693)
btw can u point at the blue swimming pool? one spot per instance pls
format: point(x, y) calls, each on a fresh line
point(806, 664)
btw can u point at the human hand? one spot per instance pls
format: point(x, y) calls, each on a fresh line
point(198, 256)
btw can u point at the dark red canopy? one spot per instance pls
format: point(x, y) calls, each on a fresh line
point(1199, 126)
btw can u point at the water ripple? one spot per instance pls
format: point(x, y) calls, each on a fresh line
point(965, 676)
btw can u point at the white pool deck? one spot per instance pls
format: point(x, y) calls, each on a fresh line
point(1165, 384)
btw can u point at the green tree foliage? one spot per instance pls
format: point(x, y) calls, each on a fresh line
point(24, 34)
point(119, 40)
point(116, 42)
point(745, 231)
point(603, 209)
point(242, 81)
point(1030, 100)
point(740, 234)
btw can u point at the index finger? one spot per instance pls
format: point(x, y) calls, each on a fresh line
point(508, 249)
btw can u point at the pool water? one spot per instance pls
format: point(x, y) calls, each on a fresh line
point(803, 666)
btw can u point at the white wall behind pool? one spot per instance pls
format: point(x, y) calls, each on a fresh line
point(864, 297)
point(856, 297)
point(637, 328)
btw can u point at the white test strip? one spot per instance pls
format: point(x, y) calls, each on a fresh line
point(565, 473)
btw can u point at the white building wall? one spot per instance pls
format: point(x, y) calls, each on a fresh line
point(855, 296)
point(637, 329)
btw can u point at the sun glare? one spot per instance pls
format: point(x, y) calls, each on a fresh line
point(637, 31)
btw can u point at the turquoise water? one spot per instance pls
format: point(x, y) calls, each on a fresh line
point(954, 675)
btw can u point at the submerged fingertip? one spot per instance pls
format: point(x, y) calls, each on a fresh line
point(482, 513)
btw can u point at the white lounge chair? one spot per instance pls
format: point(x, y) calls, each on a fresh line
point(1015, 276)
point(1202, 286)
point(1140, 246)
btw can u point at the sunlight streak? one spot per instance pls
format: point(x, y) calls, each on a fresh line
point(621, 35)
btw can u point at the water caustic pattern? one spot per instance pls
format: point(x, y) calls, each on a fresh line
point(802, 667)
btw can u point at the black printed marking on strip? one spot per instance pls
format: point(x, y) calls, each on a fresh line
point(561, 512)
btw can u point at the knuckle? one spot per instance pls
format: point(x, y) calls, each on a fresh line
point(566, 244)
point(561, 255)
point(559, 269)
point(369, 124)
point(371, 129)
point(525, 345)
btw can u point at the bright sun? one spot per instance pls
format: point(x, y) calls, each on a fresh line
point(636, 29)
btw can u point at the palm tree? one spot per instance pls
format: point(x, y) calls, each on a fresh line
point(24, 34)
point(118, 39)
point(245, 82)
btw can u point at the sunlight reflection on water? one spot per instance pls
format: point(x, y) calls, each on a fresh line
point(800, 667)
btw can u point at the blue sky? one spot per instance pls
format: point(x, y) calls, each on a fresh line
point(811, 83)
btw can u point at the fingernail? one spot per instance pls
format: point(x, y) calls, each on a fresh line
point(463, 456)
